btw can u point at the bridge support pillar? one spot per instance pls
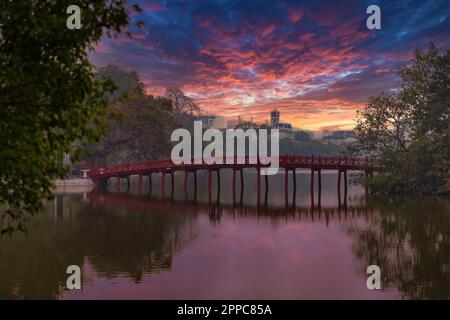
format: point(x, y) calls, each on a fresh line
point(172, 182)
point(345, 188)
point(118, 183)
point(186, 176)
point(266, 193)
point(140, 183)
point(258, 185)
point(242, 186)
point(150, 184)
point(234, 186)
point(163, 181)
point(319, 176)
point(339, 187)
point(195, 185)
point(218, 186)
point(294, 191)
point(286, 186)
point(241, 172)
point(209, 186)
point(311, 187)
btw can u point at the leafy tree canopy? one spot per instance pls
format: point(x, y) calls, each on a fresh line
point(409, 128)
point(142, 131)
point(50, 102)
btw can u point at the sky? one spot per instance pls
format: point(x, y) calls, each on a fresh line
point(315, 61)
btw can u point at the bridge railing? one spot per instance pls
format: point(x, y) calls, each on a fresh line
point(195, 163)
point(327, 160)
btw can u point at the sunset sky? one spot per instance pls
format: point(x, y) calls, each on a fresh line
point(314, 60)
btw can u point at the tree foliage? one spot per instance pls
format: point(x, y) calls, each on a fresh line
point(301, 135)
point(142, 131)
point(181, 103)
point(409, 128)
point(50, 102)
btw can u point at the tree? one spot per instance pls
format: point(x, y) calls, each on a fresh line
point(301, 135)
point(124, 82)
point(385, 123)
point(409, 130)
point(142, 131)
point(50, 102)
point(181, 103)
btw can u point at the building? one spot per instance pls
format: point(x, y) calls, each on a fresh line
point(275, 118)
point(213, 121)
point(285, 129)
point(275, 121)
point(284, 125)
point(286, 134)
point(247, 125)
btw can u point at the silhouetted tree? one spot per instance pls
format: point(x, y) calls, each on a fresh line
point(181, 103)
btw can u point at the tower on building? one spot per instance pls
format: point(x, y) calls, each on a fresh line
point(275, 118)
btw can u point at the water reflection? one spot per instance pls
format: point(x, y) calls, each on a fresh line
point(114, 241)
point(137, 246)
point(409, 240)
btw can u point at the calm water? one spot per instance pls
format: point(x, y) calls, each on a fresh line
point(137, 246)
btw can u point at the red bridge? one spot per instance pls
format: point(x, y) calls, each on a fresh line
point(102, 175)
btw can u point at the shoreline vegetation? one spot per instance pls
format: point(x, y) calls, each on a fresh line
point(408, 129)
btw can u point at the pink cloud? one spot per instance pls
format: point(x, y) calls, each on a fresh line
point(296, 15)
point(153, 6)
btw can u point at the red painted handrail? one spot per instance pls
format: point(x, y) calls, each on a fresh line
point(311, 161)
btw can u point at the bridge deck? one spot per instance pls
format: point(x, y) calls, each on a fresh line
point(288, 162)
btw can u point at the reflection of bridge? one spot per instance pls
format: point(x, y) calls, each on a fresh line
point(215, 211)
point(102, 175)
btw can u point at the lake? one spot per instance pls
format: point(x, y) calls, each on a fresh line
point(139, 246)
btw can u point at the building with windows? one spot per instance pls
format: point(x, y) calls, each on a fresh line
point(275, 118)
point(285, 129)
point(213, 121)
